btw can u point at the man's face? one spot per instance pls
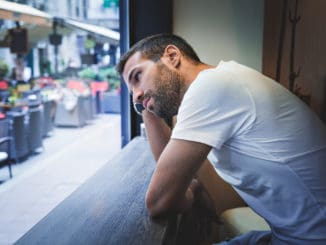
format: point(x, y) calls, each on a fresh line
point(154, 85)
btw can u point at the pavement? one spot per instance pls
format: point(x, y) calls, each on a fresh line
point(70, 156)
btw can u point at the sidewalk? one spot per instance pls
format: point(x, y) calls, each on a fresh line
point(70, 156)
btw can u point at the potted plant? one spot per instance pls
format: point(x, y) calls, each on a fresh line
point(111, 102)
point(3, 69)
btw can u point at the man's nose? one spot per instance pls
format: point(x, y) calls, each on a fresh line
point(138, 95)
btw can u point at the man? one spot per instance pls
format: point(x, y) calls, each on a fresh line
point(262, 140)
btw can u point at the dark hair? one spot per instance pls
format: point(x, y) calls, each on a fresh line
point(153, 47)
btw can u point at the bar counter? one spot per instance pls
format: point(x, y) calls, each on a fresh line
point(109, 208)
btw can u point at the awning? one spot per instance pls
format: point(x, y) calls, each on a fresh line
point(20, 12)
point(41, 33)
point(39, 23)
point(111, 36)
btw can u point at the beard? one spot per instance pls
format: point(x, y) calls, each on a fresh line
point(169, 88)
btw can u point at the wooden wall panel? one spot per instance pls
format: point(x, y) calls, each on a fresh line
point(309, 49)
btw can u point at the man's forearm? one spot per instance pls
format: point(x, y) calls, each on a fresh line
point(183, 203)
point(158, 133)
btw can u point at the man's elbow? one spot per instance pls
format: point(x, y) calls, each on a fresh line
point(156, 206)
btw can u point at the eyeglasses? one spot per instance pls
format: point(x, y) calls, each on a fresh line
point(138, 107)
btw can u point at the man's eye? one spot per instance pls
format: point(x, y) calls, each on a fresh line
point(137, 76)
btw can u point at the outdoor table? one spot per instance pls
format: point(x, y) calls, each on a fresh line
point(109, 208)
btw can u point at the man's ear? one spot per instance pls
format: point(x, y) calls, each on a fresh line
point(172, 56)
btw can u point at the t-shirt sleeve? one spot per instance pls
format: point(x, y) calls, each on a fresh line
point(214, 109)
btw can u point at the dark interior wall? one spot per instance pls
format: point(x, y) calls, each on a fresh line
point(307, 43)
point(147, 17)
point(139, 18)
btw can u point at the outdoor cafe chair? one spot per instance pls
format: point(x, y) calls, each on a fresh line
point(5, 144)
point(34, 136)
point(19, 133)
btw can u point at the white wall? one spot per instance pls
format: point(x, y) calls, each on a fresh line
point(222, 29)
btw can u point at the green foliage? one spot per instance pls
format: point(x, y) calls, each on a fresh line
point(87, 73)
point(89, 43)
point(108, 74)
point(3, 69)
point(111, 75)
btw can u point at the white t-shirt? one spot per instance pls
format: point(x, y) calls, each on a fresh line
point(265, 142)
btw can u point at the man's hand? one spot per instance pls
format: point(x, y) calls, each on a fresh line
point(197, 225)
point(203, 201)
point(200, 196)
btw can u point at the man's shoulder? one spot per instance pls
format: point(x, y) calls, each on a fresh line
point(215, 82)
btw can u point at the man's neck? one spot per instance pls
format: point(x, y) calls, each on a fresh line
point(191, 71)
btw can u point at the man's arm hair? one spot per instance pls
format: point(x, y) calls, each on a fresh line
point(177, 166)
